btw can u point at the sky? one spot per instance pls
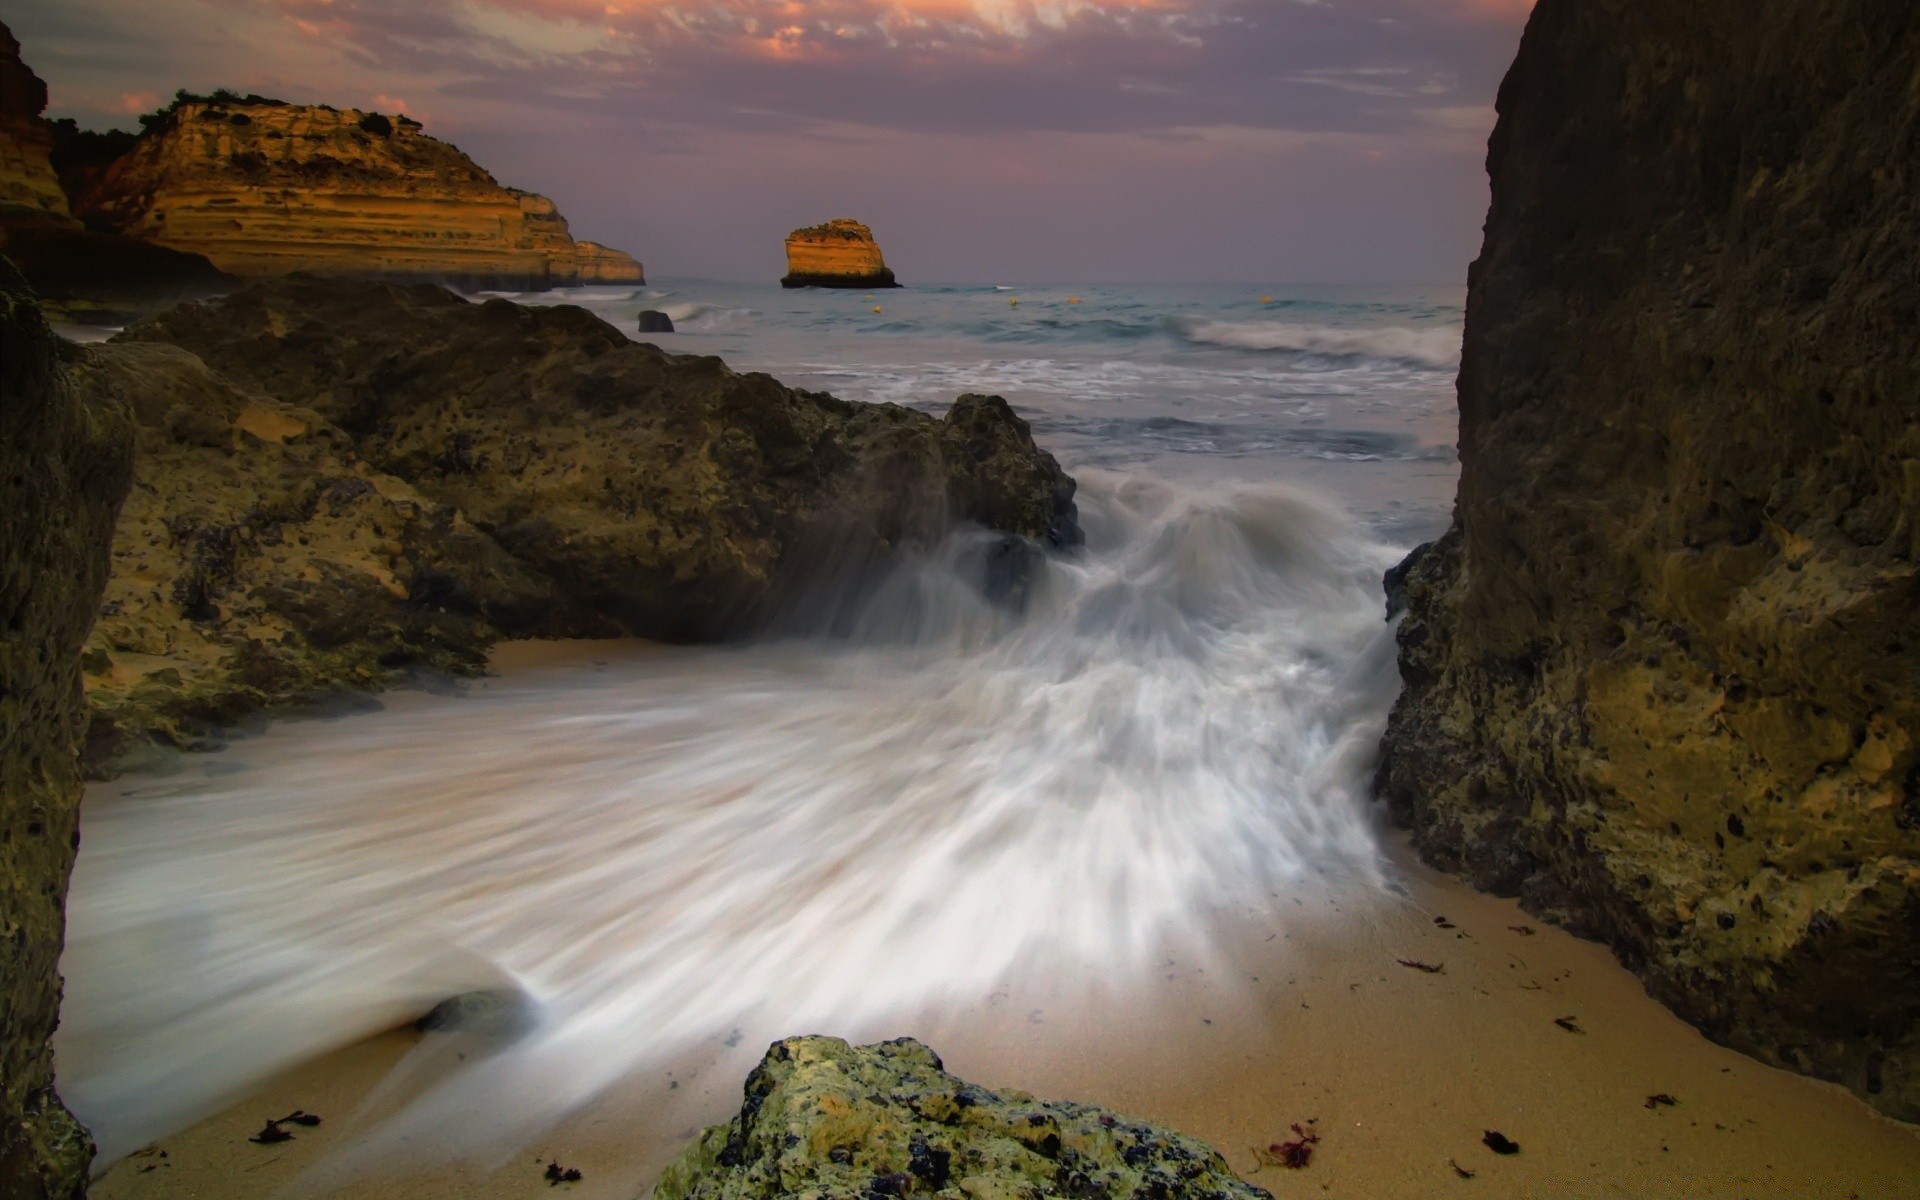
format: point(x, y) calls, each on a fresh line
point(1256, 141)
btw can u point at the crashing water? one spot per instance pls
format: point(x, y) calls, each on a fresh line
point(822, 832)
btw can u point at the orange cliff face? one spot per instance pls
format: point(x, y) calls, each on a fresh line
point(840, 253)
point(28, 185)
point(266, 188)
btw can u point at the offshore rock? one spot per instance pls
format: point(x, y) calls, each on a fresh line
point(1662, 675)
point(65, 461)
point(653, 320)
point(840, 253)
point(343, 483)
point(828, 1120)
point(259, 565)
point(262, 187)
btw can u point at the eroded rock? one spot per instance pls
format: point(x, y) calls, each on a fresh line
point(65, 462)
point(823, 1118)
point(840, 253)
point(1662, 676)
point(262, 187)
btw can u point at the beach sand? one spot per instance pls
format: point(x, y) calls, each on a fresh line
point(1402, 1071)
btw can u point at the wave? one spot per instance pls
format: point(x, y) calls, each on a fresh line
point(1438, 348)
point(819, 833)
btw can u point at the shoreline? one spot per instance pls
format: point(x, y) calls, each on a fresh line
point(1402, 1069)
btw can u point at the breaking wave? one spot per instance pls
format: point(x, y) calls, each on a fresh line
point(818, 833)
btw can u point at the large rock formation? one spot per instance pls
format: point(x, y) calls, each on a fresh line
point(28, 185)
point(825, 1119)
point(840, 253)
point(341, 481)
point(79, 271)
point(266, 188)
point(1663, 674)
point(64, 466)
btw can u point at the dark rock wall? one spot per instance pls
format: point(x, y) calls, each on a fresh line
point(64, 467)
point(1663, 673)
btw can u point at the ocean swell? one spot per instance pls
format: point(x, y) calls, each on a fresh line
point(1437, 348)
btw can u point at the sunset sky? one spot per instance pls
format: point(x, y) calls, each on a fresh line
point(1265, 141)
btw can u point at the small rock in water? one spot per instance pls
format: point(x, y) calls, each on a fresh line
point(491, 1013)
point(654, 321)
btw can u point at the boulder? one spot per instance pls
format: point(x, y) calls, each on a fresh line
point(825, 1119)
point(654, 321)
point(1662, 676)
point(840, 253)
point(65, 463)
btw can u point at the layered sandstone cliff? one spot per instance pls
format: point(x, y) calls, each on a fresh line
point(840, 253)
point(343, 481)
point(1662, 674)
point(78, 271)
point(265, 188)
point(64, 466)
point(28, 184)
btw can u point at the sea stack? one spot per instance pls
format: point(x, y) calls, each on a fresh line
point(262, 187)
point(840, 253)
point(1662, 676)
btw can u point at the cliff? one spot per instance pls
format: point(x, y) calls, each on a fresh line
point(265, 188)
point(64, 466)
point(343, 481)
point(28, 185)
point(840, 253)
point(1662, 676)
point(79, 271)
point(822, 1118)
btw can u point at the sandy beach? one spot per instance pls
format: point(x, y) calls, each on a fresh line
point(1520, 1028)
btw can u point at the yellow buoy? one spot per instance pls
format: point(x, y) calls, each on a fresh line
point(876, 308)
point(1073, 299)
point(1266, 299)
point(1013, 304)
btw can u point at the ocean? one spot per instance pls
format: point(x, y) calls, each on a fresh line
point(655, 855)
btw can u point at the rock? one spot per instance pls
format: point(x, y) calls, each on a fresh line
point(840, 253)
point(28, 185)
point(76, 272)
point(65, 462)
point(493, 1015)
point(260, 565)
point(261, 187)
point(343, 484)
point(1662, 679)
point(825, 1119)
point(604, 264)
point(655, 321)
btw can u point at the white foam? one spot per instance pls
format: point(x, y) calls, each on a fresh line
point(809, 835)
point(1437, 347)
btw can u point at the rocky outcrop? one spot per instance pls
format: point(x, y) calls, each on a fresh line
point(76, 271)
point(1662, 675)
point(64, 466)
point(259, 565)
point(343, 481)
point(265, 188)
point(822, 1118)
point(28, 185)
point(840, 253)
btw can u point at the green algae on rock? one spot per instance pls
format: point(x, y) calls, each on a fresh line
point(832, 1121)
point(1662, 675)
point(65, 462)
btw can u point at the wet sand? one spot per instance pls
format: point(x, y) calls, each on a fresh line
point(1403, 1071)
